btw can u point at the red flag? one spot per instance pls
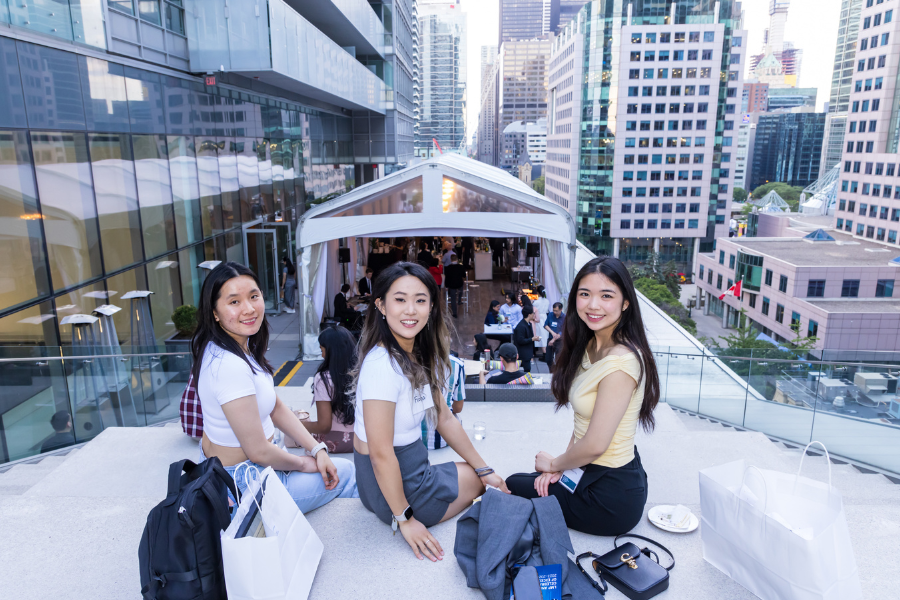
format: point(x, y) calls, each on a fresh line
point(734, 290)
point(438, 145)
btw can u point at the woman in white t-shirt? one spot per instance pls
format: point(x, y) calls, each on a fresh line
point(404, 354)
point(237, 395)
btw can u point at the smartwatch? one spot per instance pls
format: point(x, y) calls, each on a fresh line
point(316, 448)
point(406, 515)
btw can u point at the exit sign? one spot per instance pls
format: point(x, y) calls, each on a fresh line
point(210, 80)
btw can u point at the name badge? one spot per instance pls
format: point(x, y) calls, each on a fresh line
point(570, 479)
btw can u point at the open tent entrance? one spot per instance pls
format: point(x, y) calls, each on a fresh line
point(449, 195)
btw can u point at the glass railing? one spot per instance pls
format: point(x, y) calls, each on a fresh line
point(851, 407)
point(53, 397)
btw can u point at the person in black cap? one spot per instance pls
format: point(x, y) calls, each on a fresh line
point(511, 370)
point(523, 337)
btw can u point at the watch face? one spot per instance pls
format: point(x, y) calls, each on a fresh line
point(408, 513)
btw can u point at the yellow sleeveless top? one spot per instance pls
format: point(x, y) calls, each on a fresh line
point(583, 397)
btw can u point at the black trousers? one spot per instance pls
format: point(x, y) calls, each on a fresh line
point(526, 365)
point(606, 502)
point(549, 353)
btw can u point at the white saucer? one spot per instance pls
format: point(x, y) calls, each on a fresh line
point(653, 515)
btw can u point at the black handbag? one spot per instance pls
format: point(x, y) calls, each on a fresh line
point(634, 571)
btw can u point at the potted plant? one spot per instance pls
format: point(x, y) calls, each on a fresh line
point(185, 320)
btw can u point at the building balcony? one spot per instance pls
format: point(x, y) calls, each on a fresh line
point(272, 43)
point(350, 23)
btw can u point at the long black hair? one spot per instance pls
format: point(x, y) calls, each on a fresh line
point(340, 356)
point(629, 332)
point(430, 360)
point(209, 330)
point(491, 308)
point(290, 266)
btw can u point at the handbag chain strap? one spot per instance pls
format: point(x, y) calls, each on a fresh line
point(597, 586)
point(647, 551)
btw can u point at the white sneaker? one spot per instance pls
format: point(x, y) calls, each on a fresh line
point(290, 310)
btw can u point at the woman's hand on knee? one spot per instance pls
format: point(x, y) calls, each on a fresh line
point(496, 481)
point(421, 541)
point(543, 481)
point(327, 469)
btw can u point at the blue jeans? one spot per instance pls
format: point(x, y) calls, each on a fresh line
point(290, 286)
point(307, 489)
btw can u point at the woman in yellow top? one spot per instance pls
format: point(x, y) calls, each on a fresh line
point(605, 370)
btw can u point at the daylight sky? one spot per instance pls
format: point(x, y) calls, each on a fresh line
point(812, 26)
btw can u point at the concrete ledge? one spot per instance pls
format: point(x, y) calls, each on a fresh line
point(75, 534)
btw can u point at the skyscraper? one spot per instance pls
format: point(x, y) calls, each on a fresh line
point(779, 62)
point(841, 80)
point(522, 84)
point(787, 148)
point(524, 19)
point(487, 117)
point(646, 164)
point(441, 108)
point(868, 204)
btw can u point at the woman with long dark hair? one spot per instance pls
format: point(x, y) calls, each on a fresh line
point(606, 371)
point(491, 317)
point(237, 395)
point(288, 283)
point(399, 380)
point(334, 407)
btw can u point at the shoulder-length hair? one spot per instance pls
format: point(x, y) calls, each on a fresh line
point(629, 332)
point(208, 330)
point(429, 362)
point(340, 357)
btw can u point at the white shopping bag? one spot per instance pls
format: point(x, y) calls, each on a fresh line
point(780, 536)
point(281, 565)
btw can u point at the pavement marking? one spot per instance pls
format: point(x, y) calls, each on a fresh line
point(286, 372)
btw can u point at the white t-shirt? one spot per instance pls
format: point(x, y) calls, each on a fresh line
point(380, 378)
point(225, 377)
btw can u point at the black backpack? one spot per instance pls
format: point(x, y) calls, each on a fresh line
point(181, 550)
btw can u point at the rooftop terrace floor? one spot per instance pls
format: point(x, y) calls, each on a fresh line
point(75, 532)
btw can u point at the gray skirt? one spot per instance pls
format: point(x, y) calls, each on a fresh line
point(429, 489)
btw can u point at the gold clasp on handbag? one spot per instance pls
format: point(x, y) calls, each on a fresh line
point(628, 560)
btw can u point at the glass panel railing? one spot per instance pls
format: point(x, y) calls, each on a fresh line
point(852, 407)
point(723, 387)
point(59, 396)
point(683, 377)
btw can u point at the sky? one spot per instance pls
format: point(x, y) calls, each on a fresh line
point(811, 25)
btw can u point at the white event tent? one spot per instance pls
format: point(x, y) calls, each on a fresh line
point(445, 195)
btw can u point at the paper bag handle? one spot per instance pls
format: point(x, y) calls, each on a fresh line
point(765, 486)
point(803, 456)
point(255, 501)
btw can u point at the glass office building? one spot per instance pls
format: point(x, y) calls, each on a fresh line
point(120, 177)
point(788, 148)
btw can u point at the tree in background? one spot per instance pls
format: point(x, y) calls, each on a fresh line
point(653, 268)
point(659, 294)
point(538, 184)
point(788, 193)
point(739, 194)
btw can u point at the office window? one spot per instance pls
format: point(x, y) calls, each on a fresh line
point(650, 56)
point(718, 282)
point(625, 224)
point(636, 38)
point(795, 321)
point(679, 223)
point(782, 284)
point(638, 223)
point(701, 272)
point(850, 288)
point(693, 224)
point(665, 224)
point(731, 261)
point(74, 254)
point(636, 56)
point(765, 306)
point(815, 288)
point(709, 276)
point(752, 300)
point(812, 330)
point(636, 74)
point(779, 313)
point(884, 288)
point(768, 277)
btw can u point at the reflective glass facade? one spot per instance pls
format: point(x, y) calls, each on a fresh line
point(441, 105)
point(115, 179)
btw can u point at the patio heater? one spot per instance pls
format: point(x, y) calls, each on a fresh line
point(147, 370)
point(117, 379)
point(91, 405)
